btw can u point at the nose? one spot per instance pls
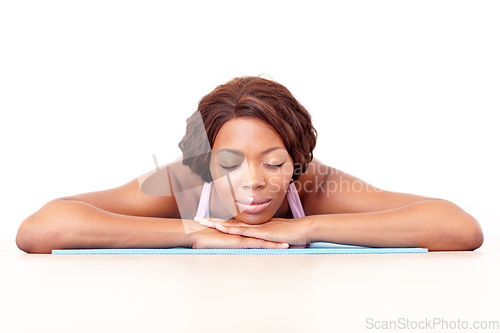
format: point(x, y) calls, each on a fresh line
point(252, 178)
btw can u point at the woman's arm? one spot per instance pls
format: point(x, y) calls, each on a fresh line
point(67, 224)
point(437, 225)
point(123, 217)
point(118, 217)
point(348, 208)
point(360, 213)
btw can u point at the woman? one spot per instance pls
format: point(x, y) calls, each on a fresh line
point(247, 178)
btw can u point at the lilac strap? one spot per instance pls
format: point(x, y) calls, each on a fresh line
point(203, 205)
point(294, 201)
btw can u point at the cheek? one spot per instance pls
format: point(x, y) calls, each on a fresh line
point(278, 185)
point(279, 179)
point(226, 196)
point(223, 189)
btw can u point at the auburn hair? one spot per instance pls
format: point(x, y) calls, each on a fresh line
point(254, 97)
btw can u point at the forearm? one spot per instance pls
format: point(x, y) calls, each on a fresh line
point(436, 225)
point(63, 224)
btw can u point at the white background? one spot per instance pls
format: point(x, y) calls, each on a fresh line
point(403, 93)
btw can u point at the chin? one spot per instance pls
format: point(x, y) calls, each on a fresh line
point(253, 219)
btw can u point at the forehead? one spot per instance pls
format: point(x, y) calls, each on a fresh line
point(247, 135)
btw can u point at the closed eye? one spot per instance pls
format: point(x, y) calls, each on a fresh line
point(274, 166)
point(228, 168)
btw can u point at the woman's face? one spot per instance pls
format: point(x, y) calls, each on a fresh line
point(251, 169)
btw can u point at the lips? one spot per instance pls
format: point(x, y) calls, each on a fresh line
point(255, 208)
point(253, 200)
point(253, 205)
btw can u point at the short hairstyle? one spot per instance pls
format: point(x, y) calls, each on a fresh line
point(254, 97)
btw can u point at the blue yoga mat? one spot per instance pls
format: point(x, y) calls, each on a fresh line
point(315, 248)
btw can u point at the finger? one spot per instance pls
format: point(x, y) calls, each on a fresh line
point(236, 223)
point(207, 222)
point(263, 244)
point(240, 230)
point(252, 232)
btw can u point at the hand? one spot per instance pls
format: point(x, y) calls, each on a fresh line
point(291, 231)
point(206, 238)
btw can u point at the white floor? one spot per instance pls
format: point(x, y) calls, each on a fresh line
point(316, 293)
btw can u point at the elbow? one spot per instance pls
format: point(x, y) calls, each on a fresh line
point(34, 235)
point(29, 240)
point(461, 232)
point(473, 236)
point(469, 230)
point(25, 238)
point(22, 240)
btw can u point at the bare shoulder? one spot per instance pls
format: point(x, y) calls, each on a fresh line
point(326, 190)
point(163, 192)
point(309, 183)
point(169, 179)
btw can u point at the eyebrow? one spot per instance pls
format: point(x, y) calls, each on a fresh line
point(239, 152)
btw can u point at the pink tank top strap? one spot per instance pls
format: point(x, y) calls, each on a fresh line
point(294, 201)
point(292, 196)
point(203, 205)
